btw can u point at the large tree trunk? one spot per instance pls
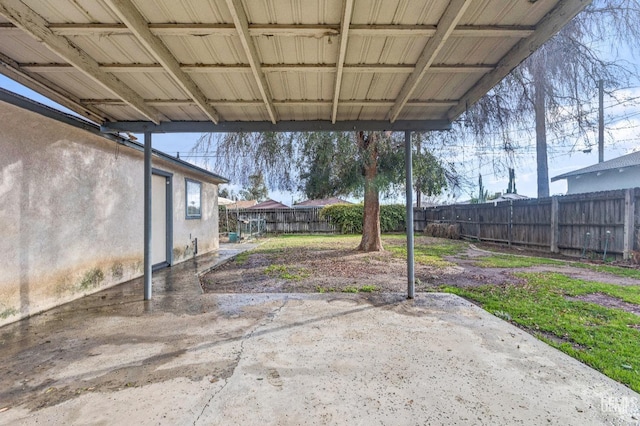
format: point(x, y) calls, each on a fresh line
point(541, 136)
point(371, 240)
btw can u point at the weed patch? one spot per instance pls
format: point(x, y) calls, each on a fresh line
point(286, 272)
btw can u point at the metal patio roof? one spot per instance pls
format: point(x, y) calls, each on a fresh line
point(229, 65)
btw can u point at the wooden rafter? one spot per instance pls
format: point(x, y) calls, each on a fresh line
point(242, 26)
point(342, 52)
point(34, 25)
point(134, 20)
point(446, 25)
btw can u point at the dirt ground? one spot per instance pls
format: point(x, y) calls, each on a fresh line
point(309, 270)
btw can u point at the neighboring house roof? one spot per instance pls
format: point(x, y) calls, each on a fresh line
point(269, 204)
point(629, 160)
point(224, 201)
point(509, 197)
point(322, 202)
point(242, 204)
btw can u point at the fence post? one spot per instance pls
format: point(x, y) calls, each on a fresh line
point(510, 229)
point(554, 224)
point(629, 221)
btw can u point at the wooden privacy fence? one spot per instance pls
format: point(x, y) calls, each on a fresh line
point(581, 224)
point(286, 221)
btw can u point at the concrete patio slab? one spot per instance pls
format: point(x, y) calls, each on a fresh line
point(193, 358)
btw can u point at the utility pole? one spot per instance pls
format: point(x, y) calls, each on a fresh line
point(600, 122)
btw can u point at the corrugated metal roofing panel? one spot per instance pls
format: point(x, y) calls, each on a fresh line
point(229, 86)
point(444, 86)
point(156, 85)
point(301, 86)
point(479, 50)
point(72, 11)
point(500, 12)
point(24, 49)
point(294, 12)
point(182, 112)
point(405, 12)
point(115, 49)
point(202, 55)
point(384, 50)
point(243, 113)
point(79, 84)
point(298, 112)
point(120, 112)
point(416, 112)
point(371, 86)
point(210, 49)
point(302, 50)
point(184, 11)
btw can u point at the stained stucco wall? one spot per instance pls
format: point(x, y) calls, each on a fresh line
point(608, 180)
point(71, 213)
point(185, 231)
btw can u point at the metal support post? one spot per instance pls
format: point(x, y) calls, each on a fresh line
point(147, 215)
point(409, 184)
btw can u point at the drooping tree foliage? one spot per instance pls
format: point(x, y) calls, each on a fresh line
point(553, 87)
point(326, 164)
point(256, 190)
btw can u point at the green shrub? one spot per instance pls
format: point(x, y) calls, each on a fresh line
point(348, 217)
point(392, 217)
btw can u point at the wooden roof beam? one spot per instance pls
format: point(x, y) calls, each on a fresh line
point(33, 24)
point(271, 68)
point(342, 51)
point(134, 20)
point(446, 25)
point(281, 103)
point(547, 27)
point(242, 26)
point(282, 30)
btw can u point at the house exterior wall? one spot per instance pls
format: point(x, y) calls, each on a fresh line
point(185, 231)
point(608, 180)
point(71, 213)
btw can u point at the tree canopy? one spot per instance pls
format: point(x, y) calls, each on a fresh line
point(256, 189)
point(555, 86)
point(323, 164)
point(326, 164)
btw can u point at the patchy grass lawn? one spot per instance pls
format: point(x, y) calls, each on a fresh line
point(432, 254)
point(511, 261)
point(607, 339)
point(610, 269)
point(597, 323)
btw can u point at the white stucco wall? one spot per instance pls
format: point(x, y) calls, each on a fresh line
point(611, 179)
point(71, 213)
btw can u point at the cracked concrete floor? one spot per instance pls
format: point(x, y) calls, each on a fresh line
point(295, 359)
